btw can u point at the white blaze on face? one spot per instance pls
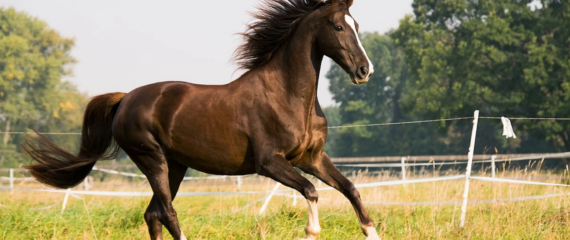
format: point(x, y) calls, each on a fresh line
point(350, 21)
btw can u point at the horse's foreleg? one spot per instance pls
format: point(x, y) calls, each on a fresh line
point(280, 170)
point(324, 169)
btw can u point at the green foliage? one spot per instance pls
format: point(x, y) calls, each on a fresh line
point(503, 57)
point(33, 60)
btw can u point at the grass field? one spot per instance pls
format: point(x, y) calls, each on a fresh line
point(32, 215)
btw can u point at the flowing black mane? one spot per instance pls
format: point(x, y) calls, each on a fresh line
point(273, 24)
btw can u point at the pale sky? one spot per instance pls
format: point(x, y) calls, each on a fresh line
point(121, 45)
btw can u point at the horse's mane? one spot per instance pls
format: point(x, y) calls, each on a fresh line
point(273, 24)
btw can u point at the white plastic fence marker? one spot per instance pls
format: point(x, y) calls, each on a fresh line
point(404, 168)
point(86, 184)
point(65, 200)
point(11, 179)
point(468, 171)
point(268, 199)
point(294, 198)
point(493, 165)
point(508, 131)
point(239, 182)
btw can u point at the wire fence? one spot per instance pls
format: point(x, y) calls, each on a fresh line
point(368, 125)
point(467, 176)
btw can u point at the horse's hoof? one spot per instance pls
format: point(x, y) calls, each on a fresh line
point(309, 238)
point(373, 237)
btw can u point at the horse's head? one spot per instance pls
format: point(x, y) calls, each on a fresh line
point(337, 37)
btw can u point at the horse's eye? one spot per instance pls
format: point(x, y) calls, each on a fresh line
point(338, 28)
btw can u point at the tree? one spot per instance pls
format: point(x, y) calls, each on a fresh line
point(33, 60)
point(503, 57)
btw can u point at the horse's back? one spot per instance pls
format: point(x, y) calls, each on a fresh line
point(196, 125)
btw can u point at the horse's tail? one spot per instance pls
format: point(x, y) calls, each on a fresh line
point(59, 168)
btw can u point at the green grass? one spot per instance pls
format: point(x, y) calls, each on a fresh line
point(21, 216)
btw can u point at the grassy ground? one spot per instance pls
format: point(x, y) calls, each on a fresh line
point(32, 215)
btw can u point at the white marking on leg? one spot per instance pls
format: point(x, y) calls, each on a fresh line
point(371, 233)
point(313, 227)
point(182, 237)
point(350, 21)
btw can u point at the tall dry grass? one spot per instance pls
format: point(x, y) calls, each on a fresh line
point(33, 215)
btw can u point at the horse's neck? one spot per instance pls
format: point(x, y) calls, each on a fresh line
point(297, 66)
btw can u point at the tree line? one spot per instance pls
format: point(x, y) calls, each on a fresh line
point(502, 57)
point(33, 61)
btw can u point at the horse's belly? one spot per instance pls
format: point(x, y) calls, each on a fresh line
point(214, 156)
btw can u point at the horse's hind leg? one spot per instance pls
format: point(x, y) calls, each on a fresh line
point(176, 172)
point(151, 219)
point(322, 167)
point(156, 168)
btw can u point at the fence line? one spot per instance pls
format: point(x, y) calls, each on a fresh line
point(286, 193)
point(400, 182)
point(486, 159)
point(527, 118)
point(503, 180)
point(459, 162)
point(119, 173)
point(466, 176)
point(367, 125)
point(443, 120)
point(516, 199)
point(185, 178)
point(43, 133)
point(16, 179)
point(401, 123)
point(443, 158)
point(195, 194)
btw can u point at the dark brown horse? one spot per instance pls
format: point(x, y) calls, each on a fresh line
point(266, 122)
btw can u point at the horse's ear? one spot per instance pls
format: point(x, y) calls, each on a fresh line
point(350, 2)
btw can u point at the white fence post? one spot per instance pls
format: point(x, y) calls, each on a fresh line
point(269, 199)
point(65, 200)
point(86, 183)
point(404, 168)
point(493, 165)
point(294, 198)
point(11, 180)
point(239, 182)
point(468, 171)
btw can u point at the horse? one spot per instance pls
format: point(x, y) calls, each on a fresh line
point(266, 122)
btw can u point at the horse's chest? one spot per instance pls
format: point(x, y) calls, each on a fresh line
point(302, 144)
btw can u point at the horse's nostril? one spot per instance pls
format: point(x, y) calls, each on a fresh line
point(363, 71)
